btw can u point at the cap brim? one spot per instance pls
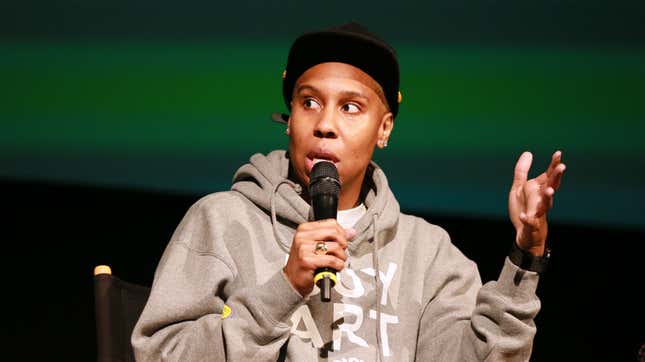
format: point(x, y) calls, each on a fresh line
point(280, 118)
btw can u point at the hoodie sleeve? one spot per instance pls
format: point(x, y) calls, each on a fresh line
point(188, 319)
point(466, 322)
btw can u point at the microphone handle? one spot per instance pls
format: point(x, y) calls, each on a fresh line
point(325, 207)
point(325, 279)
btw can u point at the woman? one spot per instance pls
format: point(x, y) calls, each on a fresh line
point(236, 280)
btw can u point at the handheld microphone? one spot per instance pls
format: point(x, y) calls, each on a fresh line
point(324, 188)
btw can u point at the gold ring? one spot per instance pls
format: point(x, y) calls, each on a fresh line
point(321, 248)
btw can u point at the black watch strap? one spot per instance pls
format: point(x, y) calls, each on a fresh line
point(527, 261)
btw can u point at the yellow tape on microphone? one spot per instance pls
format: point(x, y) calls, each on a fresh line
point(321, 275)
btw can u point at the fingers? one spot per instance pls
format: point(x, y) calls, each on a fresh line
point(555, 161)
point(554, 173)
point(544, 203)
point(533, 197)
point(314, 262)
point(335, 250)
point(524, 218)
point(538, 192)
point(332, 248)
point(556, 176)
point(303, 259)
point(522, 168)
point(530, 200)
point(325, 230)
point(540, 200)
point(335, 256)
point(531, 222)
point(328, 231)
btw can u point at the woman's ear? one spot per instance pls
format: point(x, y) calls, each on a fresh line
point(288, 130)
point(385, 129)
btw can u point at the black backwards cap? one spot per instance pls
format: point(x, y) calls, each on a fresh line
point(349, 43)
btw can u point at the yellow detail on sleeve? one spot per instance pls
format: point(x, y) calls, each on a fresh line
point(226, 311)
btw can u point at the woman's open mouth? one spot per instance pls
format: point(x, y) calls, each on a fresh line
point(319, 156)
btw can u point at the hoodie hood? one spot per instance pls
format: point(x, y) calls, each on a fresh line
point(266, 177)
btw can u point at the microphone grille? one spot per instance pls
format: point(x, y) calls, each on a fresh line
point(324, 179)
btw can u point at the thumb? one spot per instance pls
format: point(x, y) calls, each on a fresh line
point(522, 168)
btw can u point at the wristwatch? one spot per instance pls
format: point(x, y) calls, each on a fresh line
point(527, 261)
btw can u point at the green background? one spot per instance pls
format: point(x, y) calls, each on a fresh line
point(175, 96)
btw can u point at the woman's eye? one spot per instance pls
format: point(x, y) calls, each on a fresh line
point(311, 104)
point(351, 108)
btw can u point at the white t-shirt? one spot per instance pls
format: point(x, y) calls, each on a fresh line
point(348, 218)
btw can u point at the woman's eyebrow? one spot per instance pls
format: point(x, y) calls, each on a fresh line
point(305, 87)
point(354, 94)
point(344, 94)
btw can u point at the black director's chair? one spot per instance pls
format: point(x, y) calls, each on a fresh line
point(118, 305)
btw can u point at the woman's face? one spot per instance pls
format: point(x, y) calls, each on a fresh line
point(338, 114)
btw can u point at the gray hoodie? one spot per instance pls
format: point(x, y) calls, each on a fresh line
point(406, 293)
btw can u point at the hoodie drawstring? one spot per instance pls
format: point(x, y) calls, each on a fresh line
point(274, 223)
point(377, 288)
